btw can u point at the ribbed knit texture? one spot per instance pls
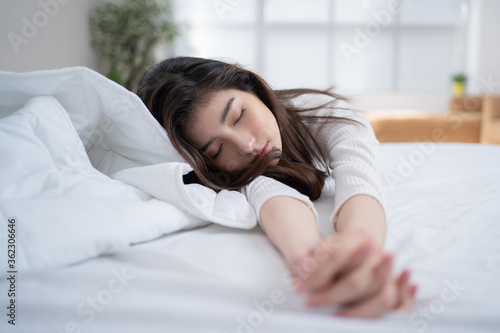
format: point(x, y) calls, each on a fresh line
point(264, 188)
point(352, 151)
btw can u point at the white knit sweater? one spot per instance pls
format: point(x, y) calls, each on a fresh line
point(352, 152)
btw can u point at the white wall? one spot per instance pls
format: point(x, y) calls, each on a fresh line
point(45, 34)
point(482, 54)
point(63, 39)
point(483, 64)
point(433, 102)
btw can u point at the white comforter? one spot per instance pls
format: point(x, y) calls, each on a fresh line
point(85, 169)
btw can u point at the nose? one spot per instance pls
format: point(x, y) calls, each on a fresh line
point(245, 144)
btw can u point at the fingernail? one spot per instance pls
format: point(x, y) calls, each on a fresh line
point(413, 290)
point(405, 277)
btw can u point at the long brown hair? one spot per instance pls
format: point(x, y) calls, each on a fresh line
point(172, 88)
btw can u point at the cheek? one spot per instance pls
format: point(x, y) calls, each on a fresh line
point(230, 163)
point(268, 127)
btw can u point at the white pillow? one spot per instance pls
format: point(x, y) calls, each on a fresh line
point(115, 126)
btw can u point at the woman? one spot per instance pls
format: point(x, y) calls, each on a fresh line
point(278, 148)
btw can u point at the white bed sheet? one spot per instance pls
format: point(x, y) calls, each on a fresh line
point(443, 203)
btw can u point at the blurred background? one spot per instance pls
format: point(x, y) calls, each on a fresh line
point(389, 54)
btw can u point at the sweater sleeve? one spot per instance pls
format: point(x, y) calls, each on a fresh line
point(352, 151)
point(264, 188)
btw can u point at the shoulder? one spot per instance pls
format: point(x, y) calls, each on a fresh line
point(313, 100)
point(321, 105)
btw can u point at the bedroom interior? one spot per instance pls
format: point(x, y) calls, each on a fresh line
point(103, 246)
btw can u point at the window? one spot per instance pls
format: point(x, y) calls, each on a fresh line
point(356, 45)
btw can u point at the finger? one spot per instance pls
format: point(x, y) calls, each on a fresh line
point(403, 278)
point(409, 300)
point(383, 272)
point(406, 290)
point(403, 288)
point(333, 267)
point(413, 290)
point(357, 258)
point(353, 287)
point(329, 258)
point(375, 306)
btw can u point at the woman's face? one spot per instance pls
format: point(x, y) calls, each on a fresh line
point(234, 128)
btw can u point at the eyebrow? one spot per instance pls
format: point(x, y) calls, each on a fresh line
point(222, 121)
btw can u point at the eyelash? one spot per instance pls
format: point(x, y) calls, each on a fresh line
point(222, 144)
point(217, 154)
point(241, 116)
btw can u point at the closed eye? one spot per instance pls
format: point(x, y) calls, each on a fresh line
point(222, 144)
point(241, 116)
point(218, 153)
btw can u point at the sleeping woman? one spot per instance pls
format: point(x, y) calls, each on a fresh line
point(278, 147)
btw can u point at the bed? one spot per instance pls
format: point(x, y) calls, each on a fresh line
point(175, 272)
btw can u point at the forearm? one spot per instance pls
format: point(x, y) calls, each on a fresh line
point(290, 225)
point(363, 212)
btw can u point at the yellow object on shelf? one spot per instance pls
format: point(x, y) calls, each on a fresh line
point(458, 88)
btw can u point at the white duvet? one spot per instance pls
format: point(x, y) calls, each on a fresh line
point(85, 169)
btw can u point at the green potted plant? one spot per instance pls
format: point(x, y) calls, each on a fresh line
point(126, 34)
point(459, 81)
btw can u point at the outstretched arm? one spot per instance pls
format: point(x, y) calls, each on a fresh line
point(291, 225)
point(363, 212)
point(345, 266)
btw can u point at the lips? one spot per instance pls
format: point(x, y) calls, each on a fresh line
point(263, 151)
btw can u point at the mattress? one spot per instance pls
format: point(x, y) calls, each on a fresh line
point(443, 216)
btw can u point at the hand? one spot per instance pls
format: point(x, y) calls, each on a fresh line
point(347, 269)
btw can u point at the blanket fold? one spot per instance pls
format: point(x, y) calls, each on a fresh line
point(85, 169)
